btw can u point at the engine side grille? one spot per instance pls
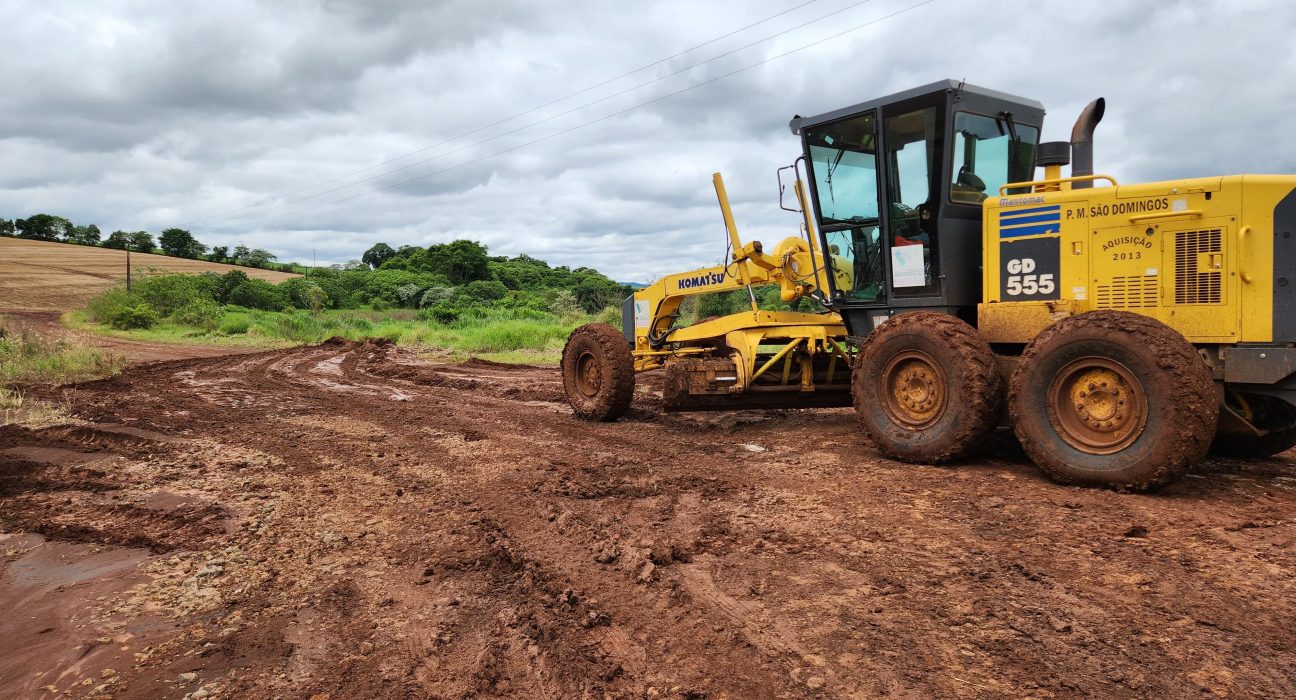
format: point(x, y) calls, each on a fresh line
point(1133, 292)
point(1193, 286)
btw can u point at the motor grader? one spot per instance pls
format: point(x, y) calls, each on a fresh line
point(1124, 328)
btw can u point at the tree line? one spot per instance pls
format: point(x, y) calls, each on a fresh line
point(176, 242)
point(447, 277)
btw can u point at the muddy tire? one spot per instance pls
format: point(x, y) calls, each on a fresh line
point(1112, 398)
point(598, 372)
point(926, 388)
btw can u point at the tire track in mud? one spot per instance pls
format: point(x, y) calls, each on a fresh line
point(394, 528)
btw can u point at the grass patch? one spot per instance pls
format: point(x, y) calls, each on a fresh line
point(499, 335)
point(28, 357)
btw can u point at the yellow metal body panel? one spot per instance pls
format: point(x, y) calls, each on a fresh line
point(1194, 254)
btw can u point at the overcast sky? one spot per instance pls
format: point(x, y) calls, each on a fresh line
point(204, 115)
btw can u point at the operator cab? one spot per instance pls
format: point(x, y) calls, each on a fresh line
point(897, 185)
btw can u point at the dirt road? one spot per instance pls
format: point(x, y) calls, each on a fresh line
point(345, 521)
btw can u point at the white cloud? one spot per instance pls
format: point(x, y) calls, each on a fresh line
point(148, 114)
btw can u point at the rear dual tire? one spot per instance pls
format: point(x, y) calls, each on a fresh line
point(1103, 398)
point(1115, 399)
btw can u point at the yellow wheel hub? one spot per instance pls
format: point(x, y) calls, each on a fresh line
point(915, 389)
point(1097, 405)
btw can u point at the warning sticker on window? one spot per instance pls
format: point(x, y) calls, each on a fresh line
point(907, 265)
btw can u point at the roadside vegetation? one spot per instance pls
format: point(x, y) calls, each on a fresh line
point(453, 298)
point(28, 357)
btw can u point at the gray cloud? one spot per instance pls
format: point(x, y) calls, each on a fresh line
point(148, 114)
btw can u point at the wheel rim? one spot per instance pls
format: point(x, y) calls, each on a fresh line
point(588, 377)
point(914, 389)
point(1097, 405)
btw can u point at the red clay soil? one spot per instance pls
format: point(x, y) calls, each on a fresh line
point(345, 521)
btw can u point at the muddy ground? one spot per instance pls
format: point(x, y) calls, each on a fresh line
point(346, 521)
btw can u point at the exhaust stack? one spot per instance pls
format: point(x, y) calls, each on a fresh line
point(1082, 141)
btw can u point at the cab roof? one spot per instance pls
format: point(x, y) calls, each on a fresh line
point(799, 122)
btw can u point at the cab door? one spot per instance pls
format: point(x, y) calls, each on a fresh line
point(911, 154)
point(845, 183)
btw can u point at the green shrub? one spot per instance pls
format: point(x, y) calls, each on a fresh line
point(484, 291)
point(565, 304)
point(168, 293)
point(258, 294)
point(199, 313)
point(228, 282)
point(237, 325)
point(610, 315)
point(304, 293)
point(107, 305)
point(131, 317)
point(408, 294)
point(441, 313)
point(436, 295)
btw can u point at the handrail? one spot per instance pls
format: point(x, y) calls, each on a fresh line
point(1164, 215)
point(1003, 191)
point(1241, 254)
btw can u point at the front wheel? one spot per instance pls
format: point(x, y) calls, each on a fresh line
point(598, 372)
point(1115, 399)
point(926, 387)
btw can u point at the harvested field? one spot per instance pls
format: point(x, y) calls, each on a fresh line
point(346, 521)
point(38, 275)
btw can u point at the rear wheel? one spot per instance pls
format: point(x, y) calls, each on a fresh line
point(598, 372)
point(926, 387)
point(1113, 398)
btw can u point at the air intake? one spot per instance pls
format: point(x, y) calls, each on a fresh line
point(1133, 292)
point(1195, 280)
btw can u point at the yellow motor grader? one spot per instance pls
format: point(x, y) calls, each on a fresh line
point(1123, 327)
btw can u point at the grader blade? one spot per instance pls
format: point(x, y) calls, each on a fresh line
point(708, 384)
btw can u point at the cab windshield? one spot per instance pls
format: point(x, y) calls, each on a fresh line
point(987, 157)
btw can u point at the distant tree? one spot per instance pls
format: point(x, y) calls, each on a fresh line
point(6, 227)
point(460, 261)
point(252, 257)
point(484, 291)
point(43, 227)
point(143, 242)
point(118, 240)
point(84, 235)
point(219, 254)
point(591, 294)
point(179, 243)
point(377, 255)
point(354, 265)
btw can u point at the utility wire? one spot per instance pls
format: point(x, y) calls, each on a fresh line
point(592, 121)
point(537, 108)
point(550, 118)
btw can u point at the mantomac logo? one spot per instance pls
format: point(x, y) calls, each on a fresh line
point(704, 280)
point(1006, 202)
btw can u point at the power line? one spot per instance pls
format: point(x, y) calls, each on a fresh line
point(593, 121)
point(549, 118)
point(537, 108)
